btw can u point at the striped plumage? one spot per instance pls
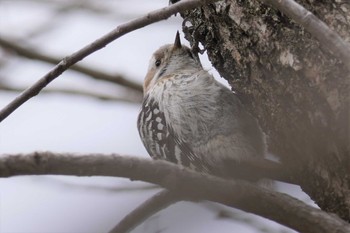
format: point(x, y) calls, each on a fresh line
point(188, 118)
point(161, 141)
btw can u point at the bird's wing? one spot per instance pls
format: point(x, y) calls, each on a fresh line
point(161, 141)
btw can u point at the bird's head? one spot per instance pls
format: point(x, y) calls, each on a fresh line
point(169, 60)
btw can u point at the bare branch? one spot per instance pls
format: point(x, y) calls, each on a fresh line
point(278, 207)
point(153, 205)
point(105, 97)
point(111, 188)
point(94, 7)
point(33, 54)
point(242, 217)
point(121, 30)
point(258, 168)
point(315, 27)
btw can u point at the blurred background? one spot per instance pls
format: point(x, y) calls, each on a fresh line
point(85, 111)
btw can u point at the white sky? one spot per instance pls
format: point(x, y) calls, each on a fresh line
point(56, 204)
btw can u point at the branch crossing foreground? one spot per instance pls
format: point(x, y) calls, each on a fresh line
point(243, 195)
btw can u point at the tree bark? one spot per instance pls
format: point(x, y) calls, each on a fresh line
point(297, 89)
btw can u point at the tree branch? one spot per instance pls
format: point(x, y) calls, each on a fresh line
point(242, 217)
point(278, 207)
point(315, 27)
point(121, 30)
point(106, 97)
point(256, 169)
point(153, 205)
point(33, 54)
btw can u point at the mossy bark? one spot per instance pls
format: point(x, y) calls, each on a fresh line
point(296, 88)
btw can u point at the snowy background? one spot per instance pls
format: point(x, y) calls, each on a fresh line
point(80, 124)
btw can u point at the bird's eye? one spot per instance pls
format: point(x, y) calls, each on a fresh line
point(157, 63)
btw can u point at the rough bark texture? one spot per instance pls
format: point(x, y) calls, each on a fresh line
point(296, 88)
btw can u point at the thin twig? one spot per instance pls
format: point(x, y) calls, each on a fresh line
point(153, 205)
point(315, 27)
point(238, 216)
point(99, 75)
point(243, 195)
point(74, 92)
point(121, 30)
point(94, 7)
point(112, 188)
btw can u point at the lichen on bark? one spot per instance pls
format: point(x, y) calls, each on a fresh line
point(297, 89)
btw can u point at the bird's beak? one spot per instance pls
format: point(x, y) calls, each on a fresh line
point(177, 43)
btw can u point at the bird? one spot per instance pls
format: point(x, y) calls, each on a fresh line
point(190, 119)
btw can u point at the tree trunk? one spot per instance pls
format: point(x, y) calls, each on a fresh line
point(296, 88)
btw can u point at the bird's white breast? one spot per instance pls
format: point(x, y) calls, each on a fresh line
point(188, 101)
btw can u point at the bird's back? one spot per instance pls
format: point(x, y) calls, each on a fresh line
point(196, 122)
